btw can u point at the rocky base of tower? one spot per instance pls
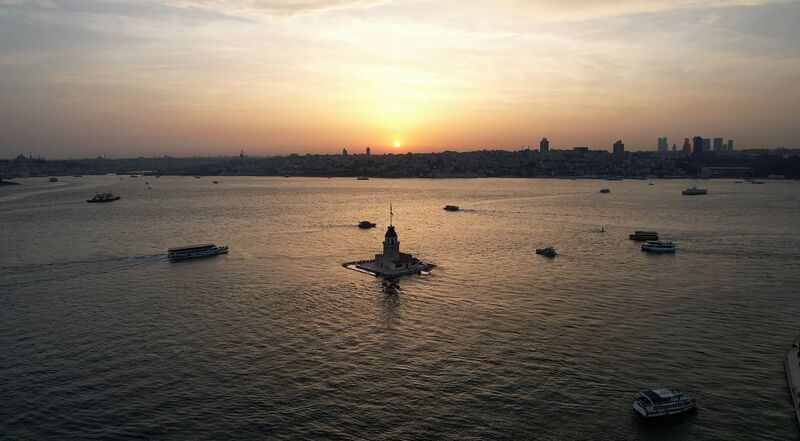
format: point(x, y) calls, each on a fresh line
point(369, 267)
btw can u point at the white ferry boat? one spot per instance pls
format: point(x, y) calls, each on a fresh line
point(663, 402)
point(694, 191)
point(643, 235)
point(656, 246)
point(195, 251)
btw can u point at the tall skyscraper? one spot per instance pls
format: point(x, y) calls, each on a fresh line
point(706, 144)
point(687, 148)
point(730, 146)
point(718, 146)
point(544, 145)
point(344, 152)
point(368, 152)
point(697, 147)
point(619, 148)
point(663, 145)
point(674, 148)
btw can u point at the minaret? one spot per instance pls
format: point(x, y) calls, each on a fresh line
point(391, 245)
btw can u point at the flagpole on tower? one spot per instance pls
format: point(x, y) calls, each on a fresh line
point(390, 215)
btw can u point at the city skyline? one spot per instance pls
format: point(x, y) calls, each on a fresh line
point(138, 78)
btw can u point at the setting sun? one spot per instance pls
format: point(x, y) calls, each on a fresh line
point(397, 144)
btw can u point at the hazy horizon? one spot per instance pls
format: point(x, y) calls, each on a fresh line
point(185, 78)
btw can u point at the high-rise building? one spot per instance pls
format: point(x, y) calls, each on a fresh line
point(730, 146)
point(344, 152)
point(674, 148)
point(697, 147)
point(663, 145)
point(687, 148)
point(619, 148)
point(544, 145)
point(706, 144)
point(368, 152)
point(718, 146)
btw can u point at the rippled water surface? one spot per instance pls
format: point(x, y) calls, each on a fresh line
point(102, 338)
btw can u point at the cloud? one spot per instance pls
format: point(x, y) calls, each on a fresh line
point(278, 7)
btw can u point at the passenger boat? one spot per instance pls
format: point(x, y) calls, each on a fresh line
point(362, 178)
point(656, 246)
point(605, 190)
point(104, 197)
point(547, 251)
point(366, 224)
point(53, 179)
point(643, 235)
point(451, 207)
point(756, 182)
point(663, 402)
point(196, 251)
point(694, 191)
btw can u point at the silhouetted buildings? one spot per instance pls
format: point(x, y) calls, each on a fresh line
point(344, 152)
point(663, 145)
point(706, 144)
point(619, 148)
point(687, 147)
point(697, 147)
point(718, 146)
point(544, 145)
point(368, 151)
point(730, 146)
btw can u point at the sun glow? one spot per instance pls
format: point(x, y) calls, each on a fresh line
point(397, 144)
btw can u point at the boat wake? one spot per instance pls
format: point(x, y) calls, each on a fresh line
point(19, 276)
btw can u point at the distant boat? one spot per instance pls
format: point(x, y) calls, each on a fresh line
point(53, 179)
point(366, 224)
point(694, 191)
point(215, 182)
point(198, 177)
point(643, 235)
point(738, 182)
point(362, 178)
point(286, 176)
point(756, 182)
point(658, 247)
point(605, 190)
point(451, 207)
point(77, 176)
point(547, 251)
point(663, 402)
point(196, 251)
point(650, 183)
point(104, 197)
point(134, 176)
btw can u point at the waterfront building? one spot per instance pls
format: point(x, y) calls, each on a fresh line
point(368, 151)
point(687, 147)
point(663, 145)
point(697, 148)
point(619, 148)
point(544, 145)
point(391, 262)
point(718, 146)
point(730, 146)
point(344, 152)
point(706, 144)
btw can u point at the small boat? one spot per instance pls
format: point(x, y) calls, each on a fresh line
point(215, 182)
point(656, 246)
point(650, 183)
point(662, 402)
point(134, 176)
point(366, 224)
point(362, 178)
point(53, 179)
point(738, 182)
point(643, 235)
point(547, 251)
point(104, 197)
point(77, 176)
point(286, 176)
point(196, 251)
point(451, 207)
point(605, 190)
point(198, 177)
point(756, 182)
point(694, 191)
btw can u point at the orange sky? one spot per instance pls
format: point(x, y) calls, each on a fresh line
point(197, 77)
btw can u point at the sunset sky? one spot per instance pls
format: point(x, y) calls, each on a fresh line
point(206, 77)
